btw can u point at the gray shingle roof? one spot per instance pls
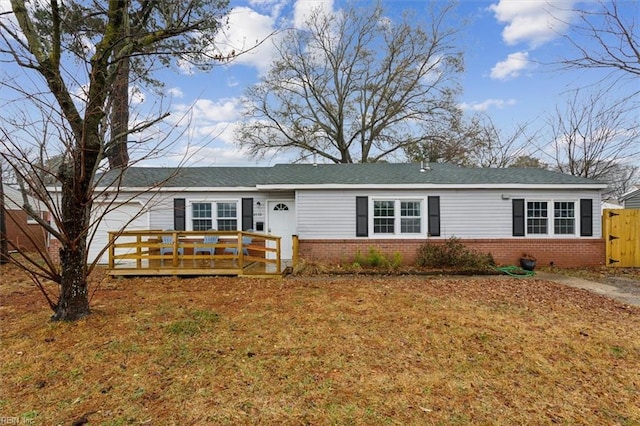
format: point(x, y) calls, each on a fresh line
point(373, 174)
point(187, 177)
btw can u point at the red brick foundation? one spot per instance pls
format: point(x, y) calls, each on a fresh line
point(565, 253)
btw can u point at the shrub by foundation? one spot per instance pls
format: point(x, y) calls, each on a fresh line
point(452, 254)
point(376, 259)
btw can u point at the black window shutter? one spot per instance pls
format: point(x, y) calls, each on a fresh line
point(586, 217)
point(247, 214)
point(179, 217)
point(518, 217)
point(433, 208)
point(362, 216)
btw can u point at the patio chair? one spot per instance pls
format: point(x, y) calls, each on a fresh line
point(167, 240)
point(245, 242)
point(207, 245)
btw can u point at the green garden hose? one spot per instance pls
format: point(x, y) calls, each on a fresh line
point(514, 271)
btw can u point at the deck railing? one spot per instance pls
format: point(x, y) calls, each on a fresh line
point(152, 252)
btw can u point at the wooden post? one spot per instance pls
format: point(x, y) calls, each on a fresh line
point(240, 250)
point(112, 251)
point(175, 250)
point(138, 251)
point(279, 256)
point(294, 256)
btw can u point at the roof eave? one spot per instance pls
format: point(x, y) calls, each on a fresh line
point(270, 187)
point(169, 189)
point(630, 194)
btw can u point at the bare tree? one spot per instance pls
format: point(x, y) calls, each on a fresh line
point(141, 20)
point(197, 51)
point(594, 136)
point(449, 141)
point(475, 142)
point(621, 179)
point(79, 121)
point(527, 161)
point(613, 35)
point(492, 147)
point(354, 86)
point(605, 37)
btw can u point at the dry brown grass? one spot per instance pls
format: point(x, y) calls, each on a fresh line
point(322, 350)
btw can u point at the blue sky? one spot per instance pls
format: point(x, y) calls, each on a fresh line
point(505, 44)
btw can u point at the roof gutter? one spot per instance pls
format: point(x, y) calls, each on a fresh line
point(434, 186)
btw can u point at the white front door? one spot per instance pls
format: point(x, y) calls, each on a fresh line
point(281, 218)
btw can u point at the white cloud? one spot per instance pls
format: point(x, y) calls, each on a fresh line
point(250, 32)
point(204, 156)
point(273, 7)
point(485, 105)
point(175, 92)
point(204, 111)
point(511, 67)
point(303, 8)
point(186, 67)
point(533, 22)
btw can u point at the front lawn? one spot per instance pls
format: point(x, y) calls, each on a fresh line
point(321, 350)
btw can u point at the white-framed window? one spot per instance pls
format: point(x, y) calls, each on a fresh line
point(384, 217)
point(201, 216)
point(410, 217)
point(564, 217)
point(537, 217)
point(396, 217)
point(227, 216)
point(550, 217)
point(220, 215)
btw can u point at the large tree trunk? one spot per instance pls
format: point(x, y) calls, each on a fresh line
point(76, 203)
point(73, 303)
point(117, 151)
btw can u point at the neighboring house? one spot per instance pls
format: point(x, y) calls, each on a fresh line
point(337, 210)
point(610, 204)
point(631, 200)
point(23, 232)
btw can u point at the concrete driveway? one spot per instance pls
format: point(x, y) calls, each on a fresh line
point(625, 290)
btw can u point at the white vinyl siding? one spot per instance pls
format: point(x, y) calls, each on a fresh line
point(633, 202)
point(478, 213)
point(326, 214)
point(161, 206)
point(331, 214)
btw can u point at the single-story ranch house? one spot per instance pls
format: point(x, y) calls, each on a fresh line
point(337, 210)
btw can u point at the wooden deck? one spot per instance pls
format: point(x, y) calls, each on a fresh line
point(236, 253)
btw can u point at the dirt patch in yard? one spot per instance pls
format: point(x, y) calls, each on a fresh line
point(321, 350)
point(627, 285)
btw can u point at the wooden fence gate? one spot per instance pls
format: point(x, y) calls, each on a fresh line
point(621, 231)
